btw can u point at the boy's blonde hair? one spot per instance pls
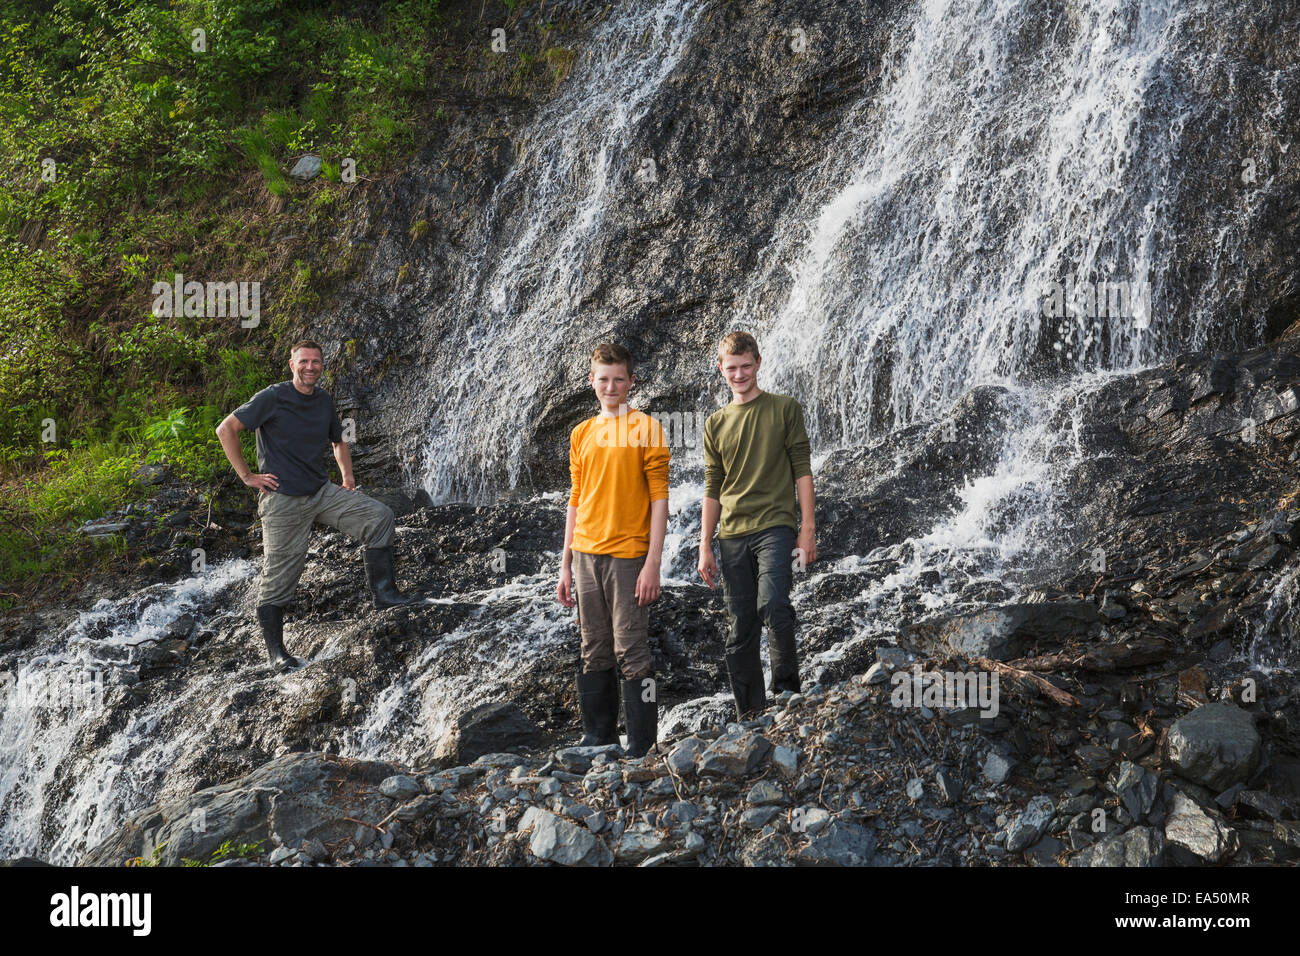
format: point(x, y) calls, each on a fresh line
point(611, 353)
point(738, 343)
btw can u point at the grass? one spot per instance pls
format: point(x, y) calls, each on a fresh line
point(126, 157)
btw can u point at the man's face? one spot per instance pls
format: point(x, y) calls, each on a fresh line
point(611, 383)
point(740, 371)
point(307, 366)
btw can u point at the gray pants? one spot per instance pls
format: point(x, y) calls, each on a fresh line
point(611, 622)
point(286, 529)
point(757, 574)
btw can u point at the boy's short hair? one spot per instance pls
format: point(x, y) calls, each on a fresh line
point(738, 343)
point(306, 344)
point(611, 353)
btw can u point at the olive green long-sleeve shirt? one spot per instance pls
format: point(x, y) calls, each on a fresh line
point(753, 455)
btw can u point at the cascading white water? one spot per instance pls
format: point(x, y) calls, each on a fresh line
point(1006, 522)
point(1006, 152)
point(51, 701)
point(523, 292)
point(516, 623)
point(1011, 150)
point(1003, 154)
point(1272, 646)
point(1005, 158)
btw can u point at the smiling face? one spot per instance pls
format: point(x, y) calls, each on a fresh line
point(611, 383)
point(307, 366)
point(741, 373)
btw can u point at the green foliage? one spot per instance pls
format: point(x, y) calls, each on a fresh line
point(83, 482)
point(43, 369)
point(256, 146)
point(113, 111)
point(242, 374)
point(154, 859)
point(230, 850)
point(560, 60)
point(187, 442)
point(131, 148)
point(127, 98)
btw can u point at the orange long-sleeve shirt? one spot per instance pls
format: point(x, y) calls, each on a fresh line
point(618, 465)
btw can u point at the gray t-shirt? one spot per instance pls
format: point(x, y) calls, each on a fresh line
point(292, 429)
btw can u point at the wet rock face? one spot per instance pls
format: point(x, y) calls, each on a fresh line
point(738, 115)
point(1005, 631)
point(733, 124)
point(290, 800)
point(1141, 669)
point(488, 728)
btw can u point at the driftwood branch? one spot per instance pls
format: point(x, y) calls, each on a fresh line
point(1049, 689)
point(1138, 652)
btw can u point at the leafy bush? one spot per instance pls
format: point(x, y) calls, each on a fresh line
point(133, 147)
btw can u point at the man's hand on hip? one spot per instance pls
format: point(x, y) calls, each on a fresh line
point(267, 482)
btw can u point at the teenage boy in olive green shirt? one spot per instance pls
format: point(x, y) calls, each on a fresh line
point(756, 454)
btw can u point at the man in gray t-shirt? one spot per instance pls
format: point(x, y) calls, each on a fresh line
point(291, 429)
point(293, 421)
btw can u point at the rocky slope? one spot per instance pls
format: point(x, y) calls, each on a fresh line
point(1150, 674)
point(1119, 549)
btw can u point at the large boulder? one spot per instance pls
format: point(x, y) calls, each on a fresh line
point(840, 844)
point(1003, 632)
point(734, 754)
point(1136, 847)
point(1031, 823)
point(488, 728)
point(556, 840)
point(292, 799)
point(1196, 835)
point(1216, 745)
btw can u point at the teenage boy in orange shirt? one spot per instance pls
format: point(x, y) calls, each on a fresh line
point(613, 544)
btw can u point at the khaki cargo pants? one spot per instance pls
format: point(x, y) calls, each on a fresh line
point(611, 622)
point(286, 529)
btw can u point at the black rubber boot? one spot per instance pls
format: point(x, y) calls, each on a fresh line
point(642, 716)
point(780, 684)
point(383, 582)
point(598, 701)
point(746, 672)
point(271, 617)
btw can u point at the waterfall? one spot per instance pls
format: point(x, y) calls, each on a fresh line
point(521, 297)
point(1272, 645)
point(58, 796)
point(1014, 150)
point(515, 625)
point(1003, 208)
